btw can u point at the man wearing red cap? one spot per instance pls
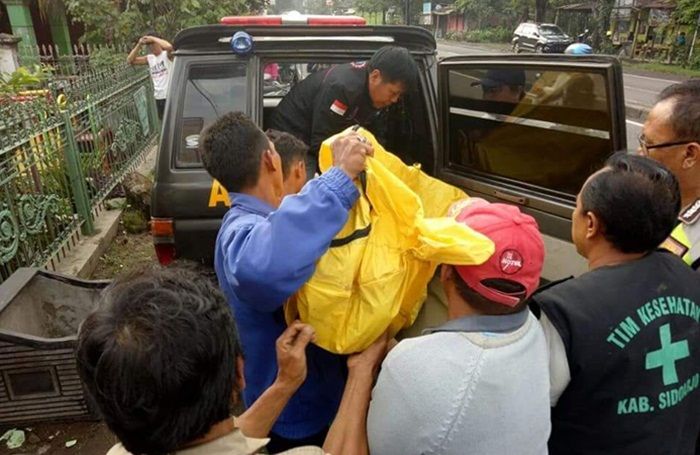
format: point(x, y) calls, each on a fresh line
point(478, 384)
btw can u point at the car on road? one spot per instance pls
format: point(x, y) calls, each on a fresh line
point(534, 150)
point(540, 38)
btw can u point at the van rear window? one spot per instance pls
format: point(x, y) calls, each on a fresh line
point(547, 129)
point(212, 90)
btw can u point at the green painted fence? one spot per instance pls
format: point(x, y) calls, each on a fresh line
point(63, 149)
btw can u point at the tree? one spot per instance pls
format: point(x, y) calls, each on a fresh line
point(601, 19)
point(505, 13)
point(540, 10)
point(119, 21)
point(687, 11)
point(316, 7)
point(478, 11)
point(416, 7)
point(48, 8)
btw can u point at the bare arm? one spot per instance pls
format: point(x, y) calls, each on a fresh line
point(258, 420)
point(134, 58)
point(348, 433)
point(164, 44)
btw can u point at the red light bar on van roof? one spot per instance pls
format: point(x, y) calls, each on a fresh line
point(336, 20)
point(251, 20)
point(293, 19)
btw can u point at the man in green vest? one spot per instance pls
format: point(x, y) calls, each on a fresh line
point(671, 135)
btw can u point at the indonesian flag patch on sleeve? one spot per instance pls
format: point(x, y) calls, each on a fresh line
point(339, 108)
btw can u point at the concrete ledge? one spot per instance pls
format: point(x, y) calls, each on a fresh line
point(83, 258)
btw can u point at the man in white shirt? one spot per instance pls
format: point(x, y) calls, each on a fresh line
point(161, 359)
point(479, 383)
point(159, 61)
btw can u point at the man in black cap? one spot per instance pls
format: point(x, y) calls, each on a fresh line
point(503, 85)
point(331, 100)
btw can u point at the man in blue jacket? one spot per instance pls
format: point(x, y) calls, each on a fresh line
point(266, 249)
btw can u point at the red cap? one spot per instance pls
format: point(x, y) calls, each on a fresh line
point(519, 253)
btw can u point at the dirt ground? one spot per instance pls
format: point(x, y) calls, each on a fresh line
point(92, 438)
point(127, 251)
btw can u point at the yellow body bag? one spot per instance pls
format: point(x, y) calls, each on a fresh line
point(374, 276)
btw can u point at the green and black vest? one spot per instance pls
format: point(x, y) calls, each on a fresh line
point(632, 339)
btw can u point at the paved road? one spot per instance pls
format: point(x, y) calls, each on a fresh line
point(639, 90)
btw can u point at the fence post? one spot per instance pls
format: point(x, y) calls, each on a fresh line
point(76, 177)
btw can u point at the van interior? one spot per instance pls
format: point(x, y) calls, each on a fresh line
point(407, 134)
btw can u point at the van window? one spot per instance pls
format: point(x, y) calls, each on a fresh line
point(548, 130)
point(212, 90)
point(550, 30)
point(280, 76)
point(406, 131)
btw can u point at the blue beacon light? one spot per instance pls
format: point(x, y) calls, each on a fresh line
point(241, 43)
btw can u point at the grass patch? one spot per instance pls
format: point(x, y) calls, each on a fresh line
point(662, 68)
point(126, 252)
point(134, 221)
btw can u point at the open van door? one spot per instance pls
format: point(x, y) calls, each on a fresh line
point(529, 130)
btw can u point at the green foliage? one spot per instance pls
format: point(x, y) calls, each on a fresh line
point(394, 7)
point(134, 222)
point(105, 57)
point(489, 35)
point(107, 21)
point(694, 62)
point(377, 5)
point(665, 68)
point(687, 11)
point(22, 79)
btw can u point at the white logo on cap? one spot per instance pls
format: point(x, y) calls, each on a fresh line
point(511, 262)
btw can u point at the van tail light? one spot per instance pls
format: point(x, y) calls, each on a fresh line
point(165, 253)
point(163, 233)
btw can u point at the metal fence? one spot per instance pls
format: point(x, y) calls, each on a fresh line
point(62, 151)
point(81, 59)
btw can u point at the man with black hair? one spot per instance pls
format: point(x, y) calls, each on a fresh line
point(267, 248)
point(159, 61)
point(478, 384)
point(503, 85)
point(671, 135)
point(292, 153)
point(161, 359)
point(623, 337)
point(329, 101)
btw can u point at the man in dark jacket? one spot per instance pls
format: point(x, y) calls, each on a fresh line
point(623, 337)
point(328, 101)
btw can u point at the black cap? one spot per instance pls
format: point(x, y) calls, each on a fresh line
point(497, 77)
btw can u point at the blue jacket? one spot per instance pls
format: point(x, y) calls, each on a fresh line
point(262, 257)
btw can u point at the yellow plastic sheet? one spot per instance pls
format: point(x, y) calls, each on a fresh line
point(395, 237)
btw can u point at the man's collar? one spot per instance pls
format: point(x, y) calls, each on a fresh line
point(495, 324)
point(250, 203)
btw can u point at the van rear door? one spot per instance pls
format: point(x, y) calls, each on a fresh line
point(528, 130)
